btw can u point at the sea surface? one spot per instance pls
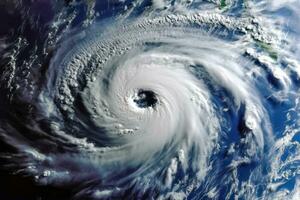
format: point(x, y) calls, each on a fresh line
point(150, 99)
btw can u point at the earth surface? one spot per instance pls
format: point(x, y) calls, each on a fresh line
point(150, 99)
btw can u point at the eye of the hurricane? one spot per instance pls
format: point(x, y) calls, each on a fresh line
point(145, 98)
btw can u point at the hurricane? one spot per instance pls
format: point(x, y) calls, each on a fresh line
point(150, 99)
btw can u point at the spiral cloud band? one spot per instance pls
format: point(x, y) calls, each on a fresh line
point(143, 87)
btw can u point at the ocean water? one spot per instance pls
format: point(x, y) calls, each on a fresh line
point(150, 99)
